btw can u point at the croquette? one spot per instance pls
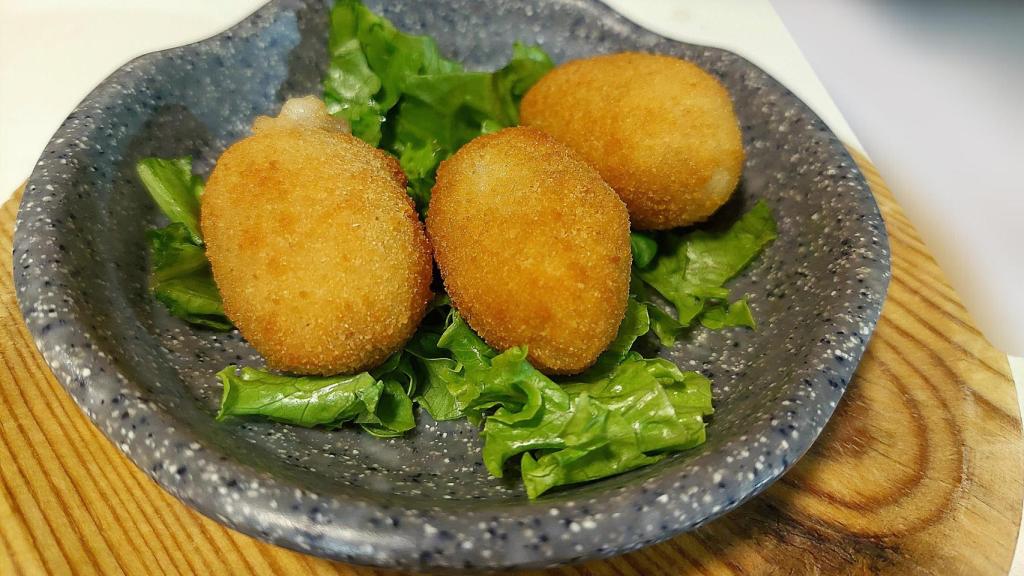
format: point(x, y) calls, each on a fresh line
point(317, 251)
point(660, 130)
point(533, 247)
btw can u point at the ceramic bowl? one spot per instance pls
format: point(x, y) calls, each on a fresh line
point(426, 501)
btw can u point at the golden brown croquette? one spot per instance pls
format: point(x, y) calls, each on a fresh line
point(320, 258)
point(533, 247)
point(660, 130)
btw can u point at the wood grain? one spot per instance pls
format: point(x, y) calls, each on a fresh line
point(919, 472)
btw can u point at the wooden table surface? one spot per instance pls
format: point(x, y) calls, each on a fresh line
point(920, 470)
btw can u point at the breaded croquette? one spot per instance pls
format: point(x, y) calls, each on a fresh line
point(533, 247)
point(660, 130)
point(320, 258)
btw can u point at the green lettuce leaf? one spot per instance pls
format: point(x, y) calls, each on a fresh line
point(305, 401)
point(667, 275)
point(468, 349)
point(618, 415)
point(173, 254)
point(597, 442)
point(532, 410)
point(193, 298)
point(436, 372)
point(690, 392)
point(650, 395)
point(370, 61)
point(440, 112)
point(644, 408)
point(528, 65)
point(350, 87)
point(690, 270)
point(665, 327)
point(175, 190)
point(454, 107)
point(635, 324)
point(715, 257)
point(393, 415)
point(434, 395)
point(722, 315)
point(398, 92)
point(180, 276)
point(379, 401)
point(472, 357)
point(644, 249)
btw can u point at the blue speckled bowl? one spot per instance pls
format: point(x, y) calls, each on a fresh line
point(425, 501)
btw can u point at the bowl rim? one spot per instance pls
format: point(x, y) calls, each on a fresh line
point(403, 550)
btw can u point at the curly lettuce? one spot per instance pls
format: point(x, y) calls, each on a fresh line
point(690, 271)
point(378, 400)
point(306, 401)
point(617, 416)
point(180, 276)
point(399, 93)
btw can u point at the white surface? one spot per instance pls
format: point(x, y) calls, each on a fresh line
point(933, 89)
point(53, 52)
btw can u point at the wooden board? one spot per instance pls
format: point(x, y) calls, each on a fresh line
point(919, 472)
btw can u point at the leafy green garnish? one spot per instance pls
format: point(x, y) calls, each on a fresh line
point(181, 277)
point(665, 327)
point(656, 399)
point(436, 372)
point(379, 401)
point(173, 254)
point(370, 63)
point(193, 298)
point(306, 401)
point(644, 249)
point(643, 408)
point(722, 315)
point(690, 270)
point(175, 190)
point(393, 415)
point(635, 324)
point(616, 417)
point(435, 395)
point(531, 413)
point(596, 443)
point(398, 92)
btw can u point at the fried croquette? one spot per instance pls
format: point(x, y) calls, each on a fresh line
point(533, 247)
point(317, 251)
point(303, 113)
point(660, 130)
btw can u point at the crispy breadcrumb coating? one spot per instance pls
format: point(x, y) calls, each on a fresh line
point(533, 247)
point(320, 258)
point(660, 130)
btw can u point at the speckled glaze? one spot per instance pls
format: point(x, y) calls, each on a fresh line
point(425, 501)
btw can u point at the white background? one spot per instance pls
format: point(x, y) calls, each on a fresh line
point(933, 89)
